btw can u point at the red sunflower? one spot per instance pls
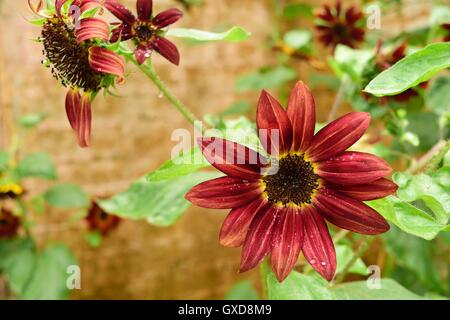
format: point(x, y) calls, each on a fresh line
point(77, 59)
point(279, 205)
point(9, 224)
point(337, 26)
point(99, 220)
point(145, 30)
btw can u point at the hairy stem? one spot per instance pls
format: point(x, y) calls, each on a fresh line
point(150, 72)
point(338, 101)
point(432, 158)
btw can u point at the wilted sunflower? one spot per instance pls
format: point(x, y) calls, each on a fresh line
point(9, 224)
point(99, 220)
point(146, 30)
point(74, 52)
point(279, 205)
point(337, 26)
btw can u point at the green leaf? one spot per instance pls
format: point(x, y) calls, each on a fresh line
point(67, 196)
point(4, 160)
point(438, 96)
point(415, 68)
point(389, 290)
point(183, 164)
point(297, 286)
point(242, 291)
point(265, 79)
point(49, 278)
point(235, 34)
point(350, 61)
point(343, 256)
point(294, 11)
point(32, 120)
point(407, 217)
point(423, 187)
point(94, 238)
point(159, 202)
point(298, 39)
point(37, 165)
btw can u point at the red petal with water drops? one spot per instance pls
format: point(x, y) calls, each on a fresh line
point(348, 213)
point(353, 168)
point(122, 13)
point(224, 193)
point(144, 9)
point(106, 61)
point(167, 49)
point(338, 135)
point(287, 242)
point(318, 247)
point(258, 241)
point(235, 227)
point(274, 126)
point(167, 17)
point(232, 158)
point(370, 191)
point(301, 111)
point(142, 53)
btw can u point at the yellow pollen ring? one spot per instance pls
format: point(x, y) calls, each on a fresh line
point(11, 187)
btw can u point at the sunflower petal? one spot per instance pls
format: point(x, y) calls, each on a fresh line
point(167, 49)
point(106, 61)
point(166, 18)
point(144, 9)
point(338, 135)
point(122, 13)
point(274, 126)
point(370, 191)
point(234, 228)
point(318, 247)
point(142, 53)
point(232, 158)
point(348, 213)
point(287, 242)
point(92, 28)
point(258, 241)
point(224, 193)
point(351, 168)
point(301, 111)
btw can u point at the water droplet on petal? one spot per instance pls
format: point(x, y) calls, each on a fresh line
point(312, 261)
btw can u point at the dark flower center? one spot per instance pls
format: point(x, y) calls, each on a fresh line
point(4, 222)
point(69, 61)
point(340, 29)
point(294, 182)
point(103, 215)
point(144, 31)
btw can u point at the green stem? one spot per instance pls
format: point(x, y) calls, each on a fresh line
point(437, 158)
point(358, 253)
point(150, 72)
point(264, 269)
point(339, 97)
point(430, 160)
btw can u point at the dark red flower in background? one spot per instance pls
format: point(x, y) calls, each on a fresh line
point(9, 224)
point(78, 61)
point(338, 26)
point(283, 212)
point(446, 26)
point(385, 61)
point(145, 30)
point(99, 220)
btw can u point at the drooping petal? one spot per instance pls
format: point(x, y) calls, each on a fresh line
point(352, 168)
point(167, 49)
point(86, 4)
point(73, 103)
point(58, 6)
point(370, 191)
point(85, 121)
point(348, 213)
point(301, 112)
point(274, 126)
point(338, 135)
point(144, 9)
point(141, 53)
point(166, 18)
point(224, 193)
point(122, 13)
point(106, 61)
point(258, 241)
point(36, 6)
point(92, 28)
point(232, 158)
point(234, 228)
point(122, 32)
point(287, 242)
point(318, 247)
